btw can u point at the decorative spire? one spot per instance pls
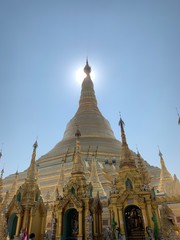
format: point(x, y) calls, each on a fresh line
point(87, 100)
point(142, 169)
point(87, 68)
point(78, 167)
point(32, 170)
point(14, 185)
point(126, 158)
point(164, 171)
point(165, 176)
point(123, 136)
point(94, 179)
point(61, 182)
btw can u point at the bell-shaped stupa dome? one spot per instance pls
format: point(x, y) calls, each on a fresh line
point(95, 129)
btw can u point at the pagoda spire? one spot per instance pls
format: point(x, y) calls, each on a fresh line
point(87, 68)
point(78, 167)
point(87, 100)
point(126, 158)
point(32, 170)
point(123, 136)
point(165, 176)
point(61, 181)
point(94, 179)
point(14, 185)
point(143, 170)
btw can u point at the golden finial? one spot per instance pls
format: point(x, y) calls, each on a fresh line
point(160, 153)
point(122, 124)
point(87, 68)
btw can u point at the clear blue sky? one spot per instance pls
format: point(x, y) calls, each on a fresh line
point(134, 50)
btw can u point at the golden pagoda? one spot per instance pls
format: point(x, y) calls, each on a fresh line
point(132, 204)
point(168, 185)
point(76, 214)
point(121, 181)
point(26, 211)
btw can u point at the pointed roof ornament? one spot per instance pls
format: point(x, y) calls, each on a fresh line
point(123, 136)
point(160, 153)
point(164, 172)
point(32, 170)
point(14, 184)
point(126, 158)
point(165, 176)
point(77, 163)
point(142, 169)
point(94, 178)
point(87, 68)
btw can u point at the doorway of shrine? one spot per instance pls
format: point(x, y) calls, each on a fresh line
point(70, 224)
point(134, 224)
point(11, 226)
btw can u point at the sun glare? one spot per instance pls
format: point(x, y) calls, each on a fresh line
point(80, 75)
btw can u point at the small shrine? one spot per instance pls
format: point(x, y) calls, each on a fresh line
point(132, 204)
point(76, 214)
point(26, 212)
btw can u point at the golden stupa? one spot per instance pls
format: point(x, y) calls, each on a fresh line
point(103, 158)
point(97, 141)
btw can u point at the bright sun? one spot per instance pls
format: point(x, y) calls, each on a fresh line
point(80, 75)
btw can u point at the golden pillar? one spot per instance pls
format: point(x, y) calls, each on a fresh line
point(144, 217)
point(100, 223)
point(18, 227)
point(80, 234)
point(116, 215)
point(26, 218)
point(149, 213)
point(94, 224)
point(30, 222)
point(121, 220)
point(59, 225)
point(43, 224)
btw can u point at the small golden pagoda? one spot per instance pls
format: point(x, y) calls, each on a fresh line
point(27, 212)
point(77, 215)
point(132, 205)
point(168, 185)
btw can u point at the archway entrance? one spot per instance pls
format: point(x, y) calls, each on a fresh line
point(11, 226)
point(70, 224)
point(134, 224)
